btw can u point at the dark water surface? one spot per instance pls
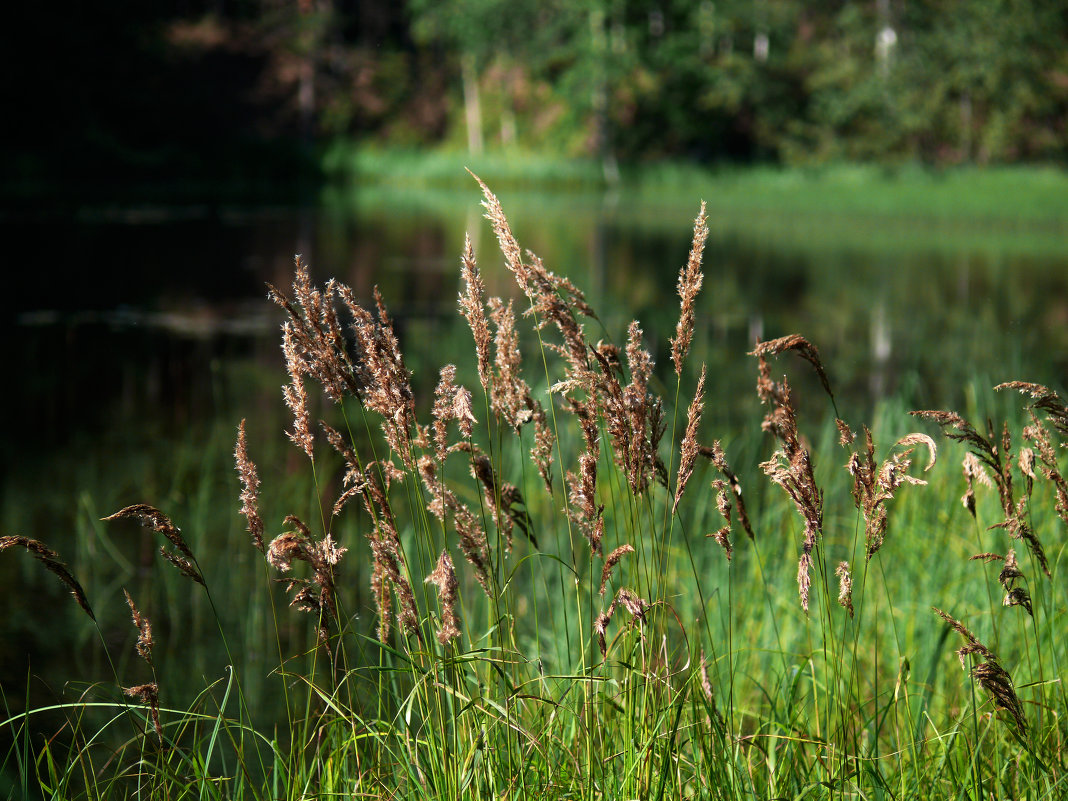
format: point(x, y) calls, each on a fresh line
point(121, 295)
point(141, 335)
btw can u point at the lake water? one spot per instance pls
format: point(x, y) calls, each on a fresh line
point(138, 302)
point(141, 335)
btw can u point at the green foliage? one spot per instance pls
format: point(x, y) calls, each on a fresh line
point(239, 95)
point(938, 82)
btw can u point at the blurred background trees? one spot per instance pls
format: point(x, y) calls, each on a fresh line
point(250, 89)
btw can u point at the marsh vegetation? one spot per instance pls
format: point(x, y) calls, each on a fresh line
point(571, 564)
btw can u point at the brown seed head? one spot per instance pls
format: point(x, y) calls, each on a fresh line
point(153, 518)
point(722, 536)
point(690, 279)
point(690, 448)
point(473, 310)
point(443, 503)
point(148, 694)
point(845, 433)
point(804, 349)
point(144, 630)
point(447, 406)
point(50, 559)
point(845, 586)
point(611, 562)
point(250, 488)
point(444, 578)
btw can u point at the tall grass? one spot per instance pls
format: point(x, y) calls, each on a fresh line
point(557, 583)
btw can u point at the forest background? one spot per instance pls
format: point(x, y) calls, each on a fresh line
point(255, 95)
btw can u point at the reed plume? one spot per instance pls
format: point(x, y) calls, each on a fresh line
point(1009, 575)
point(995, 454)
point(1046, 400)
point(295, 395)
point(510, 395)
point(473, 310)
point(989, 674)
point(371, 483)
point(552, 298)
point(147, 694)
point(385, 386)
point(50, 559)
point(319, 593)
point(973, 471)
point(845, 433)
point(690, 448)
point(723, 504)
point(1044, 457)
point(508, 392)
point(845, 586)
point(150, 517)
point(690, 280)
point(313, 342)
point(645, 414)
point(873, 487)
point(544, 440)
point(610, 563)
point(718, 458)
point(473, 540)
point(451, 402)
point(791, 466)
point(444, 578)
point(586, 511)
point(315, 345)
point(504, 500)
point(352, 480)
point(805, 349)
point(250, 488)
point(634, 605)
point(608, 400)
point(144, 630)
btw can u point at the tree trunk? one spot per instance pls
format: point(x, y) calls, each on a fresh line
point(472, 106)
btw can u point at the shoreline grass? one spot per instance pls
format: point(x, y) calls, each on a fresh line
point(507, 598)
point(971, 196)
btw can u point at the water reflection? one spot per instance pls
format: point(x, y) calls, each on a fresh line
point(149, 306)
point(125, 300)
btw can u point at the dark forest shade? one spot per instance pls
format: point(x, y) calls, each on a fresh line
point(240, 95)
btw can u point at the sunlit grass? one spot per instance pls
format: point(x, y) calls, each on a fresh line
point(969, 197)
